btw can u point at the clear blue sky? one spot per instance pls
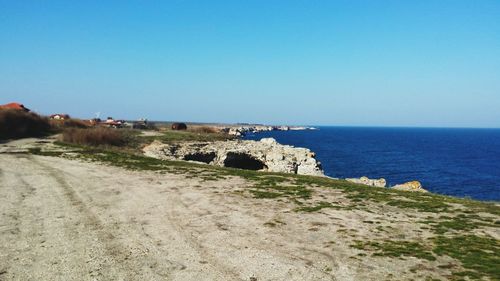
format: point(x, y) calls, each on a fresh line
point(382, 63)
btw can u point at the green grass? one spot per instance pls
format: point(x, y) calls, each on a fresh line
point(459, 223)
point(395, 249)
point(319, 206)
point(265, 194)
point(183, 136)
point(479, 255)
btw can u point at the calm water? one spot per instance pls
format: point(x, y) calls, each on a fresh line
point(458, 162)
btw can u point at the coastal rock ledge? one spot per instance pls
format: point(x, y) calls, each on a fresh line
point(263, 155)
point(369, 182)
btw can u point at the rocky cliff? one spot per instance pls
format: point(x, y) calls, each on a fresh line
point(265, 155)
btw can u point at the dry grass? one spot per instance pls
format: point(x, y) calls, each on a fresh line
point(203, 129)
point(16, 124)
point(69, 123)
point(94, 136)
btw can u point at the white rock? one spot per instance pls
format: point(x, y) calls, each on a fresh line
point(370, 182)
point(267, 155)
point(414, 186)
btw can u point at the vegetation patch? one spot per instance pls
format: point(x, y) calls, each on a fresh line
point(315, 208)
point(39, 151)
point(171, 136)
point(479, 255)
point(265, 194)
point(391, 248)
point(94, 136)
point(15, 124)
point(422, 204)
point(459, 223)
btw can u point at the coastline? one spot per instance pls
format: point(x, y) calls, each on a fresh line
point(137, 215)
point(456, 162)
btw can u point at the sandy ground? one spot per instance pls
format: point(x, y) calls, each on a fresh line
point(64, 219)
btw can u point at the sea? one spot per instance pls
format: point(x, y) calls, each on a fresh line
point(456, 162)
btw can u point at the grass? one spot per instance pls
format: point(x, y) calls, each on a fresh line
point(95, 136)
point(38, 151)
point(315, 208)
point(203, 129)
point(460, 223)
point(265, 194)
point(478, 255)
point(395, 249)
point(69, 123)
point(171, 136)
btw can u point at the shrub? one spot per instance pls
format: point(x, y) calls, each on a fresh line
point(94, 136)
point(15, 124)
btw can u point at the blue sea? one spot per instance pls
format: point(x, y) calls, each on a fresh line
point(457, 162)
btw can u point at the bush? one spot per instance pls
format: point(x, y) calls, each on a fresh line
point(15, 124)
point(94, 136)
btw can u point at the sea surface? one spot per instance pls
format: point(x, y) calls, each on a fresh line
point(457, 162)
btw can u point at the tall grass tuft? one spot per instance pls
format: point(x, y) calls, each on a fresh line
point(203, 129)
point(69, 123)
point(94, 136)
point(15, 124)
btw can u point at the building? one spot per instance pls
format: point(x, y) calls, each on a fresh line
point(14, 105)
point(60, 116)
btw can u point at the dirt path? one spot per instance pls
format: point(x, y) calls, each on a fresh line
point(67, 220)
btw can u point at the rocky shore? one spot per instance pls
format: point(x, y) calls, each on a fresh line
point(243, 130)
point(264, 155)
point(414, 186)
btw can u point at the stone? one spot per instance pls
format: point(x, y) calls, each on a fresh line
point(264, 155)
point(414, 186)
point(370, 182)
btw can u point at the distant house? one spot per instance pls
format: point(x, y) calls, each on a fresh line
point(140, 124)
point(95, 121)
point(60, 116)
point(14, 105)
point(179, 126)
point(110, 122)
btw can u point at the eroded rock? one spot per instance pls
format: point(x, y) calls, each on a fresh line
point(414, 186)
point(265, 155)
point(371, 182)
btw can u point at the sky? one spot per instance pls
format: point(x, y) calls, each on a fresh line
point(425, 63)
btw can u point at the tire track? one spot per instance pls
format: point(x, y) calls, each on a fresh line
point(120, 253)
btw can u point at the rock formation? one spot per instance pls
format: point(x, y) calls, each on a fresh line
point(367, 181)
point(414, 186)
point(265, 155)
point(243, 130)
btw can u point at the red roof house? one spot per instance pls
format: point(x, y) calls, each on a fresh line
point(60, 116)
point(14, 105)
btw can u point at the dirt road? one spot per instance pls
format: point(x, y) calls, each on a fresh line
point(67, 220)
